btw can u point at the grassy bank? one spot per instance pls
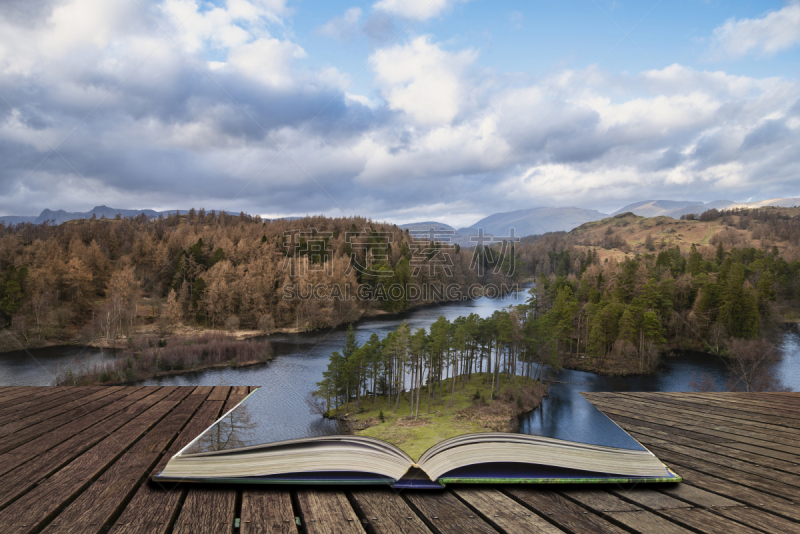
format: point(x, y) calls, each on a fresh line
point(150, 356)
point(473, 411)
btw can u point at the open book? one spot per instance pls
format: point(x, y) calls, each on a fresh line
point(236, 449)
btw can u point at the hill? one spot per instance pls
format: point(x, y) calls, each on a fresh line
point(788, 202)
point(627, 234)
point(534, 221)
point(425, 226)
point(672, 208)
point(677, 208)
point(61, 216)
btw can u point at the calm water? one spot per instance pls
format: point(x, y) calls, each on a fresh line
point(300, 360)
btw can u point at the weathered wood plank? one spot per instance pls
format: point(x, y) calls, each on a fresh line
point(28, 434)
point(564, 513)
point(621, 512)
point(503, 512)
point(705, 521)
point(735, 480)
point(755, 481)
point(599, 500)
point(731, 442)
point(8, 390)
point(698, 497)
point(726, 433)
point(201, 512)
point(759, 470)
point(741, 493)
point(645, 522)
point(103, 499)
point(61, 409)
point(681, 512)
point(33, 447)
point(649, 498)
point(772, 424)
point(723, 450)
point(32, 404)
point(386, 512)
point(155, 506)
point(220, 393)
point(26, 394)
point(788, 443)
point(242, 391)
point(39, 506)
point(774, 416)
point(20, 479)
point(327, 512)
point(266, 511)
point(218, 506)
point(750, 405)
point(447, 514)
point(759, 519)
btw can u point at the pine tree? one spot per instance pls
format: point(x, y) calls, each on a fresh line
point(695, 261)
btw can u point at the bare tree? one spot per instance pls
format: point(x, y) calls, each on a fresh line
point(716, 338)
point(751, 365)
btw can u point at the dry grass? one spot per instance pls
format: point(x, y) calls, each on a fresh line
point(149, 356)
point(667, 232)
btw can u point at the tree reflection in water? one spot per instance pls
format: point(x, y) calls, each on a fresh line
point(235, 430)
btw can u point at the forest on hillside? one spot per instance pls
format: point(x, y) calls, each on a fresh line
point(606, 316)
point(104, 279)
point(730, 297)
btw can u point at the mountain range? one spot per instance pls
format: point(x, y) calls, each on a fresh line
point(542, 220)
point(61, 216)
point(524, 222)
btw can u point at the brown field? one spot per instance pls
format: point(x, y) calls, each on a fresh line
point(666, 232)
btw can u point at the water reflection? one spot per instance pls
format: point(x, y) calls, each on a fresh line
point(236, 429)
point(40, 367)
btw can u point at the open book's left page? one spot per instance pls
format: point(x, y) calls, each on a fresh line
point(257, 420)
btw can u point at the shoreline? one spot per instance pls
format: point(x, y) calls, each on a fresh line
point(165, 374)
point(177, 372)
point(237, 335)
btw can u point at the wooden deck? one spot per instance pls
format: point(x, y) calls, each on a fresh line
point(79, 460)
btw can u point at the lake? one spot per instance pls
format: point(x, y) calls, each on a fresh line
point(301, 358)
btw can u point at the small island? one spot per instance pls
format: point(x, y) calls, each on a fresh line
point(470, 409)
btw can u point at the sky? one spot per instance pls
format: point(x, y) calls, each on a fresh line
point(398, 110)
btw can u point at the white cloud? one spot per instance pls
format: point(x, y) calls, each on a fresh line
point(441, 152)
point(267, 60)
point(422, 80)
point(342, 28)
point(360, 99)
point(217, 27)
point(414, 9)
point(772, 33)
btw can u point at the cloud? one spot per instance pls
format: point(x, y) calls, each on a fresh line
point(236, 115)
point(422, 80)
point(776, 31)
point(414, 9)
point(342, 28)
point(266, 60)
